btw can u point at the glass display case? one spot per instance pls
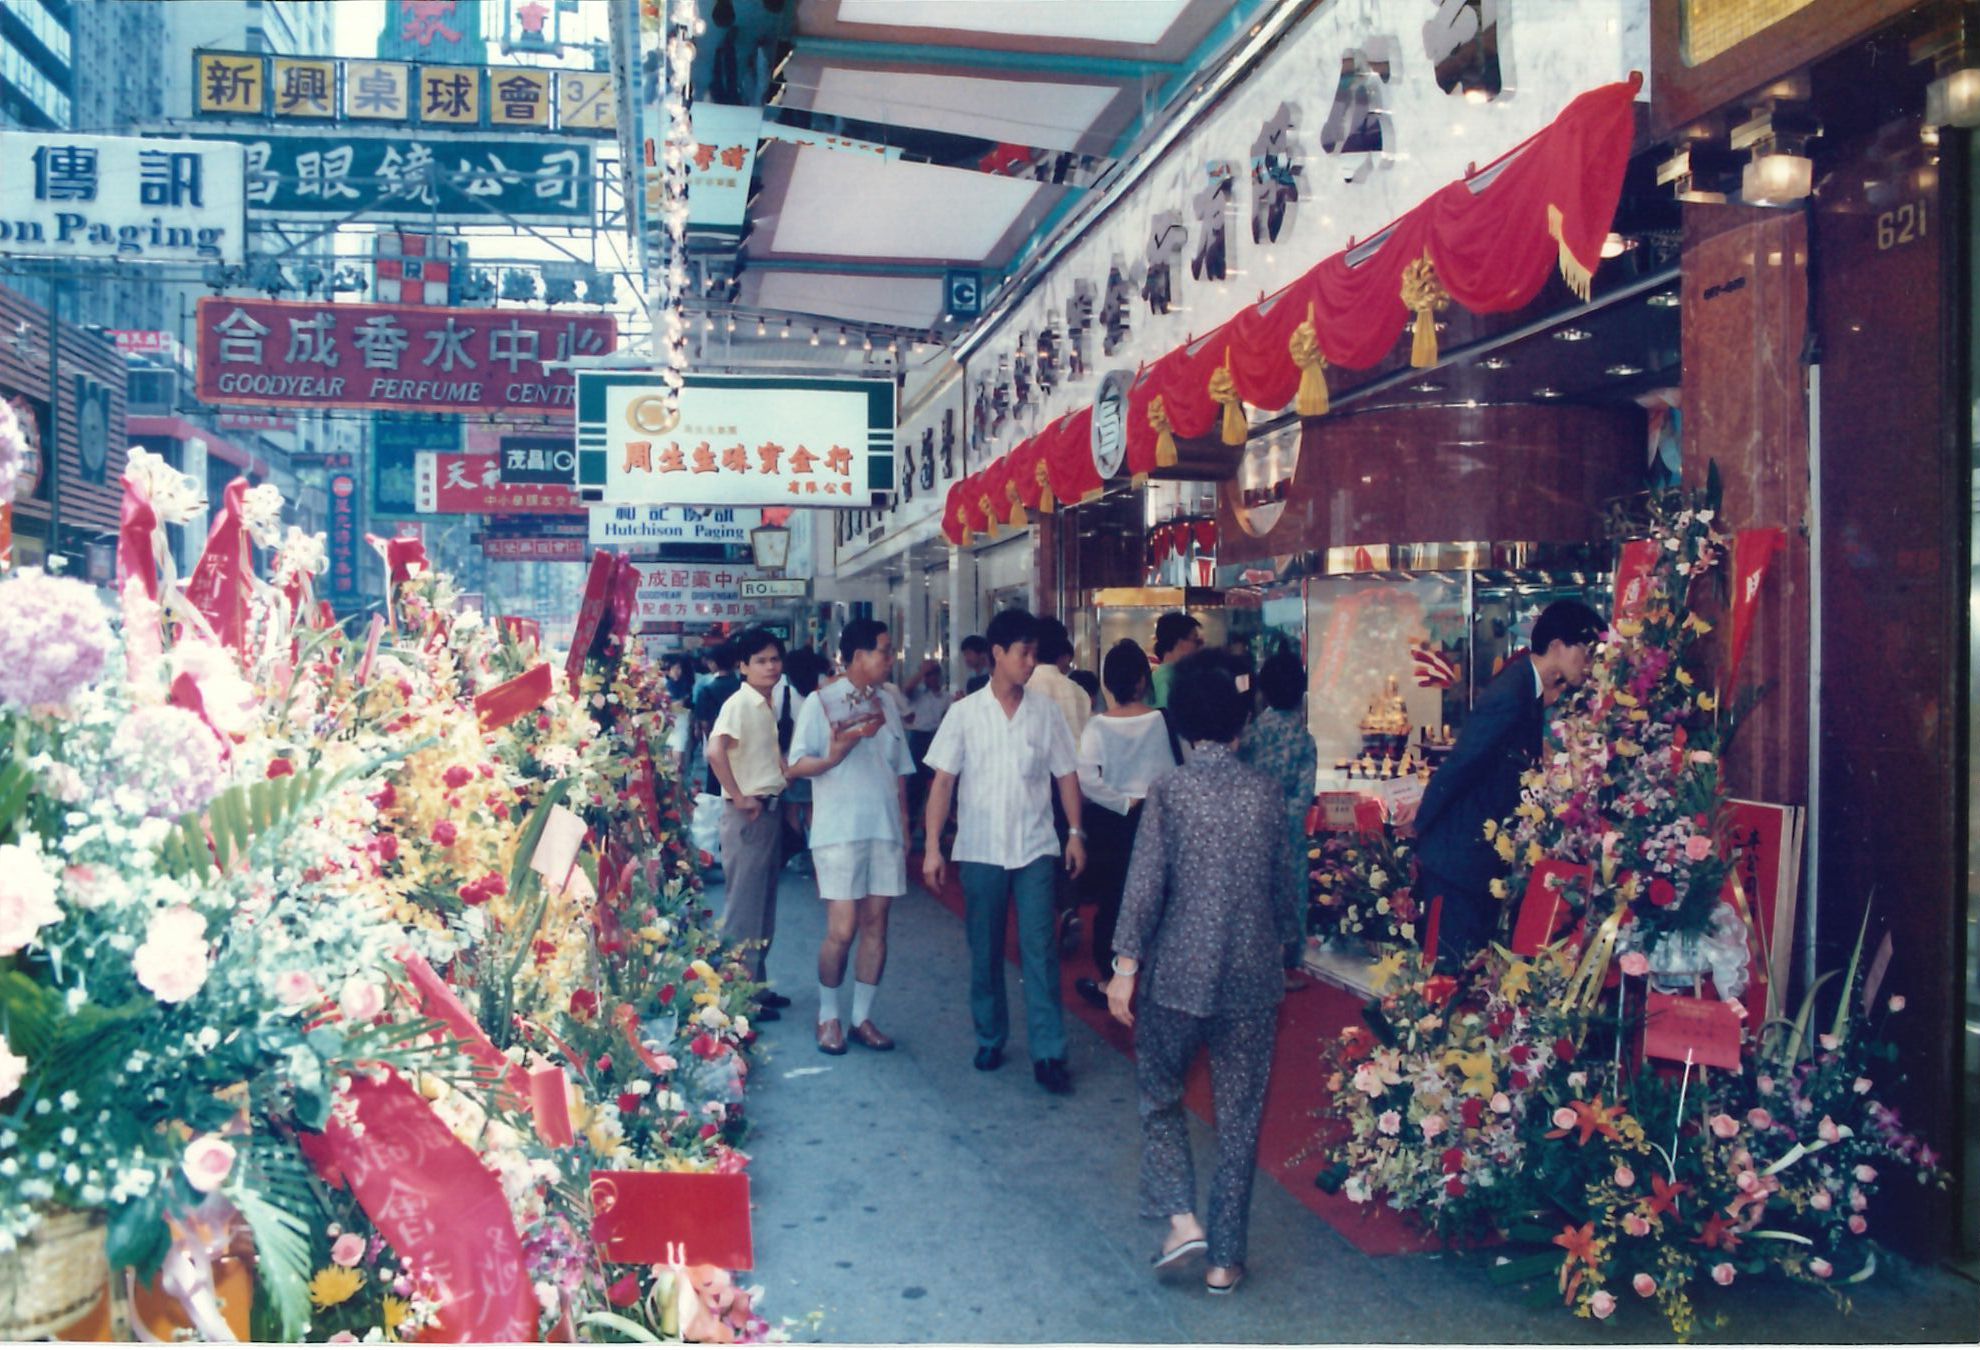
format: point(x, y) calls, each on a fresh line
point(1130, 612)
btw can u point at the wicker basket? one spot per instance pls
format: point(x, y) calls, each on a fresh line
point(54, 1276)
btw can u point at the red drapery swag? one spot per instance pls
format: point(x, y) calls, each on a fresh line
point(955, 520)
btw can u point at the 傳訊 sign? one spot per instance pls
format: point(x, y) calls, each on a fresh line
point(471, 484)
point(421, 177)
point(634, 528)
point(539, 459)
point(411, 358)
point(121, 198)
point(733, 440)
point(253, 86)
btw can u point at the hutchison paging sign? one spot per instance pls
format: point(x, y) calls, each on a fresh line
point(121, 198)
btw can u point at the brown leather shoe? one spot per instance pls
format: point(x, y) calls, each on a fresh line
point(870, 1036)
point(831, 1038)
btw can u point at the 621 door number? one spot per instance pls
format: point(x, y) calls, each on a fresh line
point(1901, 225)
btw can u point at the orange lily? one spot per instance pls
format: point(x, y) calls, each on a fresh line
point(1582, 1248)
point(1591, 1119)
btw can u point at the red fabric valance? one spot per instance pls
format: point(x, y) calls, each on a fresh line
point(955, 520)
point(1028, 476)
point(1068, 451)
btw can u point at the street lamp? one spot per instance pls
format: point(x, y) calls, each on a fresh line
point(771, 545)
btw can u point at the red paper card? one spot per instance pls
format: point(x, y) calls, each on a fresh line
point(521, 629)
point(436, 999)
point(1369, 816)
point(550, 1103)
point(1677, 1024)
point(591, 613)
point(1634, 565)
point(673, 1218)
point(511, 699)
point(1432, 929)
point(1544, 907)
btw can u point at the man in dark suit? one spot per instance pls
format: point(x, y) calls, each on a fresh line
point(1480, 779)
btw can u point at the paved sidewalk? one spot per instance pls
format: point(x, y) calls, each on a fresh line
point(907, 1197)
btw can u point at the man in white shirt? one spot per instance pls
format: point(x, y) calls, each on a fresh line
point(849, 740)
point(1050, 677)
point(746, 760)
point(1008, 748)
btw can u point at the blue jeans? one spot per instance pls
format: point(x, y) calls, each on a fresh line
point(987, 893)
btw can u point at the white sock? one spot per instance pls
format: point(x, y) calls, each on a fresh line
point(828, 1004)
point(863, 1001)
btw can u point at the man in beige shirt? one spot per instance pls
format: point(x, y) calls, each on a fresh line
point(1050, 678)
point(746, 759)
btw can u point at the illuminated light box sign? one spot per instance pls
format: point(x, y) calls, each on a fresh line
point(121, 198)
point(734, 440)
point(410, 358)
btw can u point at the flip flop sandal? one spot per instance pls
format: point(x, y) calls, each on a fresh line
point(1182, 1251)
point(1222, 1289)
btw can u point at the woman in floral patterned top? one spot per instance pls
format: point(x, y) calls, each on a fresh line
point(1278, 742)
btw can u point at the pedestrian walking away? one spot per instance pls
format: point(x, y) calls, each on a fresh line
point(851, 746)
point(1278, 743)
point(1008, 750)
point(1208, 906)
point(744, 757)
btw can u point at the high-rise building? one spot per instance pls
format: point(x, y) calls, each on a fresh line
point(36, 74)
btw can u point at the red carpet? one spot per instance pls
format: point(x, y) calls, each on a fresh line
point(1293, 1104)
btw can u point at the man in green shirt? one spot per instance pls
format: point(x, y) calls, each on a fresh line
point(1176, 635)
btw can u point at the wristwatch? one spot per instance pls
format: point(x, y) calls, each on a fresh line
point(1128, 973)
point(1075, 833)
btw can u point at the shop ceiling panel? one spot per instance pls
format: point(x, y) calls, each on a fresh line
point(906, 302)
point(1049, 115)
point(846, 204)
point(1142, 23)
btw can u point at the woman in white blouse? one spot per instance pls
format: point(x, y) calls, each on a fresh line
point(1121, 752)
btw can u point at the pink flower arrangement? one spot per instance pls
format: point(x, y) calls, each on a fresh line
point(1643, 1285)
point(12, 1069)
point(54, 640)
point(1601, 1303)
point(361, 999)
point(348, 1249)
point(27, 898)
point(173, 961)
point(296, 989)
point(207, 1161)
point(1723, 1273)
point(170, 756)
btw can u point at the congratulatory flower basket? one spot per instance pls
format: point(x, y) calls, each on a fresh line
point(53, 1276)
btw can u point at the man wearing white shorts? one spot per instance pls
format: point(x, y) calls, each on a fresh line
point(851, 742)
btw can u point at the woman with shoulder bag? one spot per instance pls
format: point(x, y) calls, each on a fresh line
point(1121, 752)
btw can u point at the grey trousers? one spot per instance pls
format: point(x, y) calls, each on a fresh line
point(751, 858)
point(1165, 1041)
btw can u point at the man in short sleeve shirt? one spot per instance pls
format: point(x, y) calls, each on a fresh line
point(1008, 748)
point(850, 742)
point(746, 760)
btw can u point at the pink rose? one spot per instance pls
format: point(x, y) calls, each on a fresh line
point(1858, 1224)
point(295, 988)
point(342, 1338)
point(207, 1161)
point(1563, 1118)
point(1820, 1269)
point(1765, 1083)
point(1432, 1125)
point(1828, 1041)
point(1624, 1177)
point(361, 999)
point(1636, 1225)
point(172, 962)
point(1723, 1273)
point(1389, 1123)
point(1501, 1103)
point(1896, 1004)
point(1860, 1086)
point(1601, 1303)
point(27, 898)
point(1821, 1200)
point(1724, 1126)
point(1746, 1181)
point(1643, 1284)
point(1635, 963)
point(1858, 1201)
point(1828, 1132)
point(1865, 1173)
point(1760, 1118)
point(664, 1063)
point(1697, 848)
point(12, 1069)
point(348, 1250)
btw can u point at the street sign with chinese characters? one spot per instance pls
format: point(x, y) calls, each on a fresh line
point(682, 591)
point(121, 198)
point(249, 86)
point(411, 358)
point(471, 484)
point(734, 440)
point(342, 538)
point(421, 178)
point(719, 170)
point(636, 529)
point(533, 548)
point(539, 460)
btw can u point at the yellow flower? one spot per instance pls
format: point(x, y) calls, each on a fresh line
point(397, 1310)
point(1479, 1080)
point(1638, 715)
point(1491, 829)
point(1500, 890)
point(1629, 628)
point(1516, 981)
point(1625, 698)
point(1697, 625)
point(1684, 677)
point(1628, 748)
point(1706, 703)
point(1505, 846)
point(333, 1285)
point(1533, 853)
point(1387, 970)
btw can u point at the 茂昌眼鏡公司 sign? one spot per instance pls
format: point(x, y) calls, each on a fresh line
point(121, 198)
point(734, 440)
point(410, 358)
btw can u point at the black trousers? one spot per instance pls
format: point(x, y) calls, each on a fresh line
point(1470, 918)
point(1109, 845)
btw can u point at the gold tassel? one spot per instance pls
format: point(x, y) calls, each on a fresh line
point(1223, 388)
point(1165, 434)
point(1423, 293)
point(989, 516)
point(1580, 280)
point(1017, 504)
point(1305, 350)
point(1045, 502)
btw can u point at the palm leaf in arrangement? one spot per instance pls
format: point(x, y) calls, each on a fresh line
point(275, 1192)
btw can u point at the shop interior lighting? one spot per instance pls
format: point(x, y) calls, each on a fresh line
point(867, 344)
point(1495, 363)
point(1622, 370)
point(1778, 171)
point(842, 337)
point(814, 337)
point(1428, 388)
point(1546, 391)
point(1616, 245)
point(1573, 335)
point(761, 329)
point(785, 332)
point(1663, 300)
